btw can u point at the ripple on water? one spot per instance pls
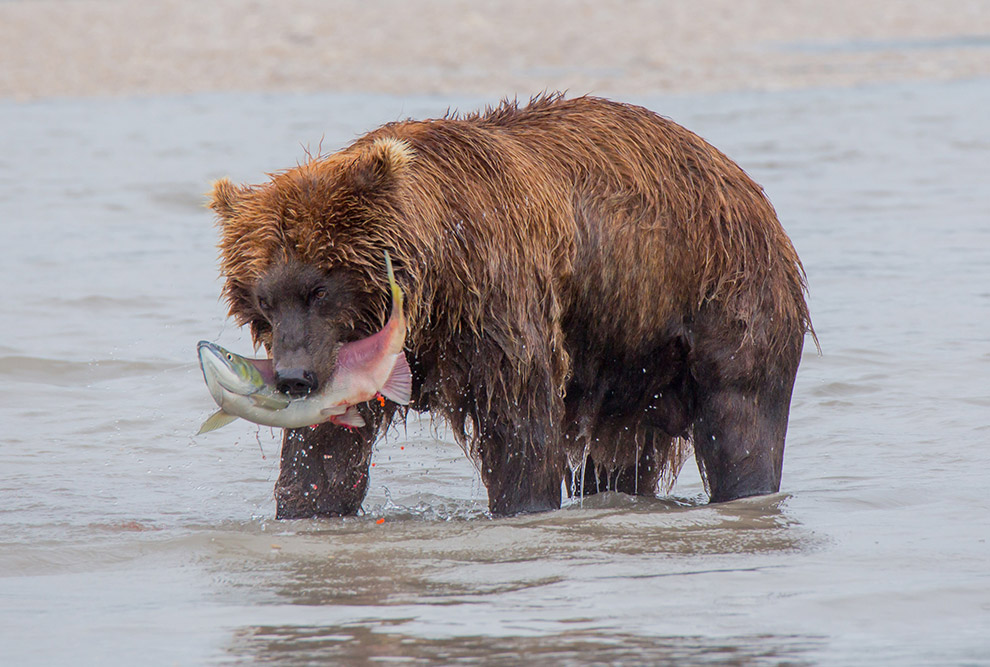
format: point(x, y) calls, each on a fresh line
point(383, 640)
point(63, 373)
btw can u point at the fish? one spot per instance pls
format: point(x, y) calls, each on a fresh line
point(367, 368)
point(239, 385)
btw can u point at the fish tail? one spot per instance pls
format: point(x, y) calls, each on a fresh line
point(397, 297)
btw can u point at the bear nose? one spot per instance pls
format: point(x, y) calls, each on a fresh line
point(295, 382)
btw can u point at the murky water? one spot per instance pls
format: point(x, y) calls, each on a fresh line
point(126, 540)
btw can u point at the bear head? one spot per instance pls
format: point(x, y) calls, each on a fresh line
point(302, 256)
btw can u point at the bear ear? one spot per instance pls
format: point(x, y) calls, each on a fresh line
point(381, 164)
point(225, 197)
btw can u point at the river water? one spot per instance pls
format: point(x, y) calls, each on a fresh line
point(124, 539)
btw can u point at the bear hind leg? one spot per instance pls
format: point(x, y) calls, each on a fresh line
point(643, 479)
point(739, 440)
point(656, 458)
point(586, 480)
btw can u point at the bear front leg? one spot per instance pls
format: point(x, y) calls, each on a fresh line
point(324, 470)
point(521, 465)
point(739, 441)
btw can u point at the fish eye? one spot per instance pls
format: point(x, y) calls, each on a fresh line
point(230, 357)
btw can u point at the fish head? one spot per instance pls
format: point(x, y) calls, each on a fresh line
point(224, 370)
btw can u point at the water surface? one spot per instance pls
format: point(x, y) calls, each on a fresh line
point(126, 540)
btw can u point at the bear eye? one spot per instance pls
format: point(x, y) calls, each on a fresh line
point(318, 294)
point(263, 305)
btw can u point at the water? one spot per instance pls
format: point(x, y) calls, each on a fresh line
point(126, 540)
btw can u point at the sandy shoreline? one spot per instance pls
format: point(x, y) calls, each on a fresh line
point(505, 47)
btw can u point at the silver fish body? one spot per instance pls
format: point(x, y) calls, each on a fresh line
point(251, 397)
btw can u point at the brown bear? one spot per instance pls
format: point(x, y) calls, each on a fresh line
point(590, 287)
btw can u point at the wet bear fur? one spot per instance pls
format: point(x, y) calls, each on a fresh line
point(589, 286)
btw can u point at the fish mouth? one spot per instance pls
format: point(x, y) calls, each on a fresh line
point(210, 362)
point(209, 353)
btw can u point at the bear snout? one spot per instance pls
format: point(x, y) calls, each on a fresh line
point(295, 382)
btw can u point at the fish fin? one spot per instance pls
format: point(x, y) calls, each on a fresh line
point(218, 419)
point(333, 411)
point(270, 401)
point(351, 418)
point(398, 386)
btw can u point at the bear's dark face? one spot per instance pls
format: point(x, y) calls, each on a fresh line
point(309, 314)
